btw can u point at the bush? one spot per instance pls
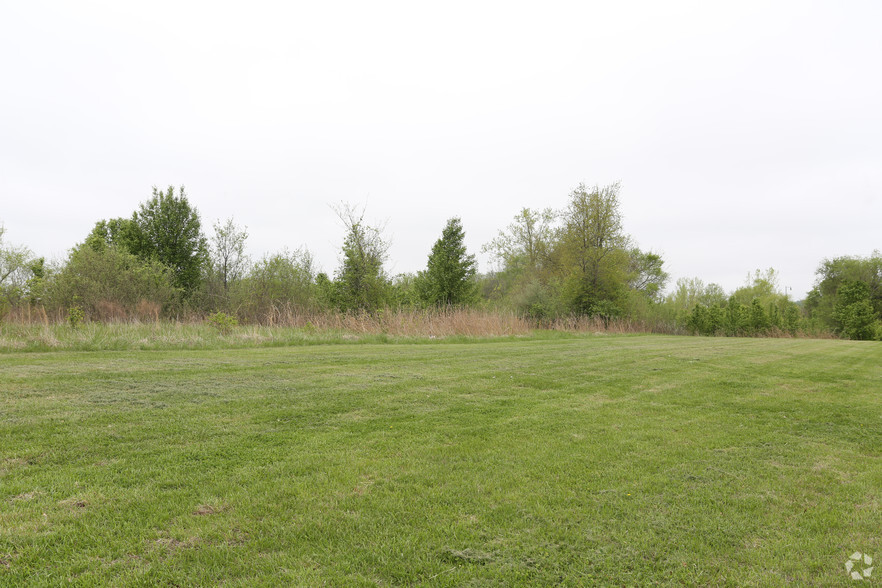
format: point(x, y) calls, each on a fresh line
point(223, 322)
point(110, 283)
point(75, 316)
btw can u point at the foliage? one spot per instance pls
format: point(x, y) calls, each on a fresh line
point(228, 252)
point(111, 276)
point(282, 280)
point(854, 313)
point(15, 270)
point(525, 246)
point(537, 301)
point(228, 263)
point(594, 250)
point(449, 275)
point(171, 232)
point(361, 282)
point(821, 302)
point(646, 273)
point(123, 233)
point(223, 322)
point(75, 316)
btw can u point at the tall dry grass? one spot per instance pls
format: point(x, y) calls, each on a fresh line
point(620, 326)
point(403, 322)
point(115, 327)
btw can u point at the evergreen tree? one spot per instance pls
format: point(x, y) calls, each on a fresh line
point(449, 275)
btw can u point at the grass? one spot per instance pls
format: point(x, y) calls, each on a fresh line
point(167, 335)
point(608, 460)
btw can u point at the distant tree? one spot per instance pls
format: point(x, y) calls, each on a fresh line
point(449, 276)
point(594, 250)
point(854, 313)
point(171, 233)
point(229, 262)
point(15, 269)
point(525, 245)
point(759, 320)
point(361, 282)
point(832, 273)
point(737, 318)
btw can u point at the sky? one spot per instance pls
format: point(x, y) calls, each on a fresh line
point(745, 135)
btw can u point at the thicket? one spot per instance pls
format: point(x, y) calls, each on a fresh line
point(573, 268)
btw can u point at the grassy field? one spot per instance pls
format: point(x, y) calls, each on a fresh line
point(581, 461)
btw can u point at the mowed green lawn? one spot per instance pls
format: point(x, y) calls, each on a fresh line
point(620, 461)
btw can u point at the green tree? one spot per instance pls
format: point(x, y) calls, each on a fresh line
point(594, 250)
point(525, 245)
point(361, 282)
point(853, 312)
point(646, 273)
point(15, 263)
point(228, 262)
point(171, 232)
point(759, 320)
point(123, 233)
point(832, 273)
point(449, 276)
point(737, 318)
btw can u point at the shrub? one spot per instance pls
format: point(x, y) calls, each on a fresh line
point(75, 316)
point(223, 322)
point(110, 283)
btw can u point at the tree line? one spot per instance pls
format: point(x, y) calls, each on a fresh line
point(576, 261)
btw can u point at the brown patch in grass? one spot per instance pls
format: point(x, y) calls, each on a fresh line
point(26, 496)
point(75, 503)
point(172, 543)
point(208, 509)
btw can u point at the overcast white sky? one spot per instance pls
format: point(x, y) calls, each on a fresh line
point(745, 134)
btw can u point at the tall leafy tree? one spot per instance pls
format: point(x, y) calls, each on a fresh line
point(228, 258)
point(594, 250)
point(361, 282)
point(171, 232)
point(821, 302)
point(449, 276)
point(524, 246)
point(853, 313)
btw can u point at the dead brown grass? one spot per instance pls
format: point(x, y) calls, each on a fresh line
point(433, 322)
point(619, 326)
point(405, 322)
